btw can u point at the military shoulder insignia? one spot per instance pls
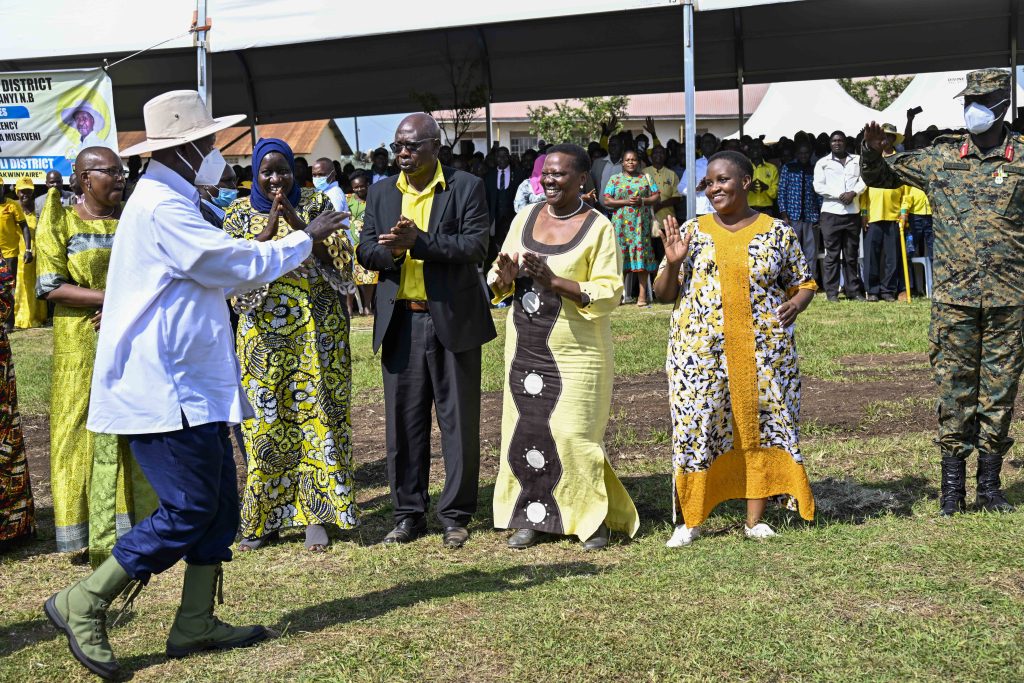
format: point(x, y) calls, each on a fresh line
point(956, 166)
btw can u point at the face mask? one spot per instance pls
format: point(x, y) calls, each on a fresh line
point(225, 197)
point(320, 183)
point(979, 118)
point(210, 170)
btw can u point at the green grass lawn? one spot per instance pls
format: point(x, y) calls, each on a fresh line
point(825, 333)
point(876, 589)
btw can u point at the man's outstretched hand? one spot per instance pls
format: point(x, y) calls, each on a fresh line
point(873, 136)
point(326, 224)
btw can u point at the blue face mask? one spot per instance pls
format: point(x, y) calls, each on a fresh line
point(320, 183)
point(225, 197)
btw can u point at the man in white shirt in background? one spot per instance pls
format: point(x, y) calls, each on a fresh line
point(166, 376)
point(837, 180)
point(325, 179)
point(708, 146)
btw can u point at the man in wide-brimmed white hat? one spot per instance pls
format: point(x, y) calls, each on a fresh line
point(166, 376)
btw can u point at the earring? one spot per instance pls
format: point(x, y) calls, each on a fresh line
point(581, 188)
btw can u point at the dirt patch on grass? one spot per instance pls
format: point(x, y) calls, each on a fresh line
point(879, 395)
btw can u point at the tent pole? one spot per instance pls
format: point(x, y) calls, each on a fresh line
point(737, 24)
point(251, 96)
point(355, 124)
point(691, 123)
point(1013, 60)
point(202, 63)
point(490, 142)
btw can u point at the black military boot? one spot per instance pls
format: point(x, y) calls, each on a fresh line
point(990, 496)
point(954, 489)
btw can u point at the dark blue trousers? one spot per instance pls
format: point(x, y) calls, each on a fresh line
point(192, 471)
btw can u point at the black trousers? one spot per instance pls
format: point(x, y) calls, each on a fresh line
point(882, 258)
point(501, 227)
point(806, 232)
point(420, 373)
point(840, 234)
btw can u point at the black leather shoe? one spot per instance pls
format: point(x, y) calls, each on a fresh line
point(524, 538)
point(599, 541)
point(951, 501)
point(990, 496)
point(406, 531)
point(455, 536)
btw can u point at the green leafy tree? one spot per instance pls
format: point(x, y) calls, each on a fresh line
point(877, 92)
point(569, 122)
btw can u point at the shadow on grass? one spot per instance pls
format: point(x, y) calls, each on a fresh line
point(470, 582)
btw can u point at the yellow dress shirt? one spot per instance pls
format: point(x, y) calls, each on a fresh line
point(882, 205)
point(416, 207)
point(11, 218)
point(916, 202)
point(667, 183)
point(768, 174)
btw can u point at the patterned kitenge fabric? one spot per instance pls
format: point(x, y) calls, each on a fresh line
point(734, 387)
point(28, 310)
point(554, 475)
point(297, 374)
point(98, 489)
point(357, 207)
point(17, 514)
point(633, 223)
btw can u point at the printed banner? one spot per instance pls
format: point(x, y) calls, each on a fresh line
point(48, 117)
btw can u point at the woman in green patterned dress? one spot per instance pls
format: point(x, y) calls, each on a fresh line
point(98, 490)
point(366, 280)
point(296, 369)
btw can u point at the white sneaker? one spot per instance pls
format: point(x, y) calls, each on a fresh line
point(683, 535)
point(758, 531)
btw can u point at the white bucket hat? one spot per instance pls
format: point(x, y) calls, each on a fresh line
point(175, 118)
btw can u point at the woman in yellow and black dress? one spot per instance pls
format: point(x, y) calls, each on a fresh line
point(739, 280)
point(296, 366)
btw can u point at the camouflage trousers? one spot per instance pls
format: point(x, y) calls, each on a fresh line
point(977, 355)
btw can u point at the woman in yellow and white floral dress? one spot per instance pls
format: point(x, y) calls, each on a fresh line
point(739, 280)
point(296, 367)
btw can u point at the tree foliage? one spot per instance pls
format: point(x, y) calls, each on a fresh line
point(568, 122)
point(877, 92)
point(467, 95)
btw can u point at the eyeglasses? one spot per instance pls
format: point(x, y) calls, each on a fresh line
point(115, 173)
point(413, 147)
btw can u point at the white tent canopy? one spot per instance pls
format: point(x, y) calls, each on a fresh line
point(811, 106)
point(936, 94)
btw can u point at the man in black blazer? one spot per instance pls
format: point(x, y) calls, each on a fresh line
point(425, 230)
point(501, 185)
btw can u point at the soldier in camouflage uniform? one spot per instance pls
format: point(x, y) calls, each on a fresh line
point(975, 183)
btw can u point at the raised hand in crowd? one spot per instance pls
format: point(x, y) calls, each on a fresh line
point(609, 127)
point(326, 224)
point(649, 127)
point(507, 272)
point(873, 137)
point(590, 197)
point(677, 246)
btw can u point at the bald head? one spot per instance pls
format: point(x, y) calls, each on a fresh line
point(96, 157)
point(420, 124)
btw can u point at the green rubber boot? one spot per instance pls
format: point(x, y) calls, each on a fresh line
point(195, 628)
point(80, 611)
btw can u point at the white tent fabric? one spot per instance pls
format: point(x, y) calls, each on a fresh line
point(935, 93)
point(811, 106)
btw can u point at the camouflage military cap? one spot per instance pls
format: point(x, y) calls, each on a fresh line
point(984, 81)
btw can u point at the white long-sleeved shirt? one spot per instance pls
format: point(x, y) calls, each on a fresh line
point(703, 203)
point(832, 178)
point(337, 197)
point(165, 345)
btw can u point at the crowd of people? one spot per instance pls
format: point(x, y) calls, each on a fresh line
point(217, 300)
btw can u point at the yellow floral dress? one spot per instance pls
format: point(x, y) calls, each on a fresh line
point(554, 475)
point(293, 347)
point(734, 386)
point(28, 310)
point(360, 275)
point(98, 489)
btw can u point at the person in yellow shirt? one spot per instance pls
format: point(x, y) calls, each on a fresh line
point(13, 229)
point(764, 187)
point(425, 231)
point(666, 180)
point(28, 310)
point(919, 228)
point(880, 212)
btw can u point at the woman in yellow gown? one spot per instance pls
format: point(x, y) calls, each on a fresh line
point(739, 280)
point(29, 311)
point(98, 490)
point(562, 265)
